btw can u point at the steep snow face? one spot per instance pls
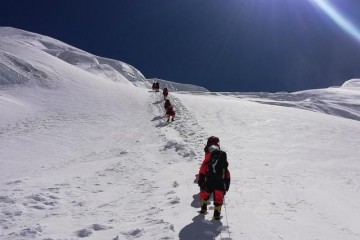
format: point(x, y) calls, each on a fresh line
point(15, 44)
point(39, 91)
point(16, 69)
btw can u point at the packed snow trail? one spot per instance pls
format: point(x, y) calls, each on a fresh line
point(187, 138)
point(184, 134)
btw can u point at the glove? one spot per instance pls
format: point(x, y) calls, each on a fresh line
point(201, 181)
point(225, 189)
point(201, 185)
point(226, 184)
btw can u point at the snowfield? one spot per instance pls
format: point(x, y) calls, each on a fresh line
point(85, 153)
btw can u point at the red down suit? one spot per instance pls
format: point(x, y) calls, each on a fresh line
point(209, 185)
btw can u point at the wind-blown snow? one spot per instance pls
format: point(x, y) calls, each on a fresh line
point(86, 154)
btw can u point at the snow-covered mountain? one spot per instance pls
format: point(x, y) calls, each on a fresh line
point(340, 101)
point(20, 68)
point(19, 64)
point(84, 153)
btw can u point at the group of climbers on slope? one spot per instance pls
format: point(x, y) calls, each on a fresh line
point(214, 175)
point(170, 110)
point(156, 86)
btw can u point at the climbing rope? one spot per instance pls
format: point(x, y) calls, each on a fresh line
point(227, 222)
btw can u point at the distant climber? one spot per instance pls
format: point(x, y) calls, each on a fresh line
point(165, 93)
point(167, 103)
point(157, 86)
point(214, 176)
point(169, 111)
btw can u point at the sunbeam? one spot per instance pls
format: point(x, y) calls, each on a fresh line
point(338, 18)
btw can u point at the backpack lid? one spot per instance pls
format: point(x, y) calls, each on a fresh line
point(212, 148)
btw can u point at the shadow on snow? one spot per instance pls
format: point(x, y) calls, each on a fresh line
point(158, 102)
point(157, 118)
point(196, 201)
point(201, 229)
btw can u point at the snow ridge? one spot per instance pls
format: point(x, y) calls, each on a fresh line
point(21, 42)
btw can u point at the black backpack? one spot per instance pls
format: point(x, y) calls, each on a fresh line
point(218, 165)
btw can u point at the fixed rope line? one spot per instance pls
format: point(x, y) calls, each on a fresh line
point(227, 222)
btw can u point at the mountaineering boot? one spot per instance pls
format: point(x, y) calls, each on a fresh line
point(203, 205)
point(217, 212)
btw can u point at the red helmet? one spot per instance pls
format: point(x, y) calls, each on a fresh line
point(212, 141)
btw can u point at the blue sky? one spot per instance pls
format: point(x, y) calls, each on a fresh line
point(223, 45)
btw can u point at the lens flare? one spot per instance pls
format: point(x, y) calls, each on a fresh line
point(339, 19)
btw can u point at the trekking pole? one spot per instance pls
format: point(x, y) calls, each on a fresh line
point(227, 222)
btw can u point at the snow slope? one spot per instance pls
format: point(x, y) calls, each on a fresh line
point(340, 101)
point(22, 46)
point(85, 157)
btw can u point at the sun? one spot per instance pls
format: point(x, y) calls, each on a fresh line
point(338, 18)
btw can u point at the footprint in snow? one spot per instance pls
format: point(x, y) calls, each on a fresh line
point(180, 148)
point(89, 230)
point(6, 199)
point(174, 200)
point(16, 182)
point(84, 232)
point(175, 184)
point(134, 233)
point(31, 231)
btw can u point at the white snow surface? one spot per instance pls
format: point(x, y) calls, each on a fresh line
point(20, 49)
point(83, 157)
